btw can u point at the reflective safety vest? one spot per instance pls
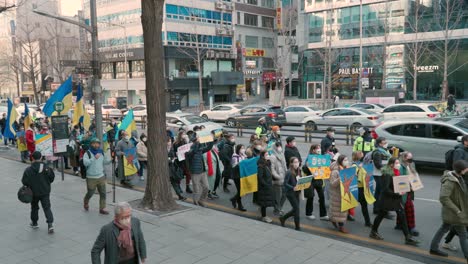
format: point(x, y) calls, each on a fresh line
point(364, 146)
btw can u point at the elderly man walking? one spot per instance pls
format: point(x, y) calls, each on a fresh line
point(122, 239)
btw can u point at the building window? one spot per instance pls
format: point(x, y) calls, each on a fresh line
point(137, 69)
point(294, 66)
point(251, 42)
point(252, 2)
point(268, 3)
point(267, 22)
point(238, 18)
point(267, 43)
point(268, 63)
point(250, 20)
point(107, 71)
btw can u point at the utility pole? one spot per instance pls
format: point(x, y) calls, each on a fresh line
point(360, 52)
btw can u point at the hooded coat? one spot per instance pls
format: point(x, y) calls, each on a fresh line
point(460, 153)
point(336, 215)
point(278, 167)
point(453, 197)
point(38, 177)
point(264, 196)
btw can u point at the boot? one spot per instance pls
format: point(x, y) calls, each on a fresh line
point(187, 189)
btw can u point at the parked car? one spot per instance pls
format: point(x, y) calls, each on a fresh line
point(187, 121)
point(410, 111)
point(3, 110)
point(249, 115)
point(33, 110)
point(221, 112)
point(371, 107)
point(340, 117)
point(138, 111)
point(427, 139)
point(447, 118)
point(107, 110)
point(296, 113)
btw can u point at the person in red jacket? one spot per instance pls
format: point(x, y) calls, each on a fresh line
point(30, 140)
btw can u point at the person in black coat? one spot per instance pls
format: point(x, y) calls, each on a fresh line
point(291, 150)
point(328, 141)
point(289, 186)
point(316, 186)
point(226, 155)
point(264, 197)
point(39, 177)
point(451, 103)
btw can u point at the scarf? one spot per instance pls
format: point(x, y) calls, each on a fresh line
point(96, 151)
point(209, 160)
point(125, 241)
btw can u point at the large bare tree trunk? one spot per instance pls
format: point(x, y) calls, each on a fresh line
point(158, 194)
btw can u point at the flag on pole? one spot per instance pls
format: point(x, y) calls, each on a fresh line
point(64, 95)
point(27, 117)
point(128, 124)
point(86, 120)
point(78, 111)
point(12, 115)
point(248, 176)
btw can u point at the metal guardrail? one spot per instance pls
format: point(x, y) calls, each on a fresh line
point(139, 120)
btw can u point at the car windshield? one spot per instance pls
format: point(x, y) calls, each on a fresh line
point(276, 109)
point(193, 119)
point(237, 106)
point(379, 105)
point(432, 108)
point(463, 125)
point(367, 111)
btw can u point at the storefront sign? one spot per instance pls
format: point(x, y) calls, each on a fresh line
point(269, 77)
point(254, 52)
point(250, 64)
point(119, 55)
point(227, 78)
point(278, 14)
point(430, 68)
point(348, 71)
point(252, 72)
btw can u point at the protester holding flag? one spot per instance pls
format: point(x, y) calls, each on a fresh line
point(408, 167)
point(22, 147)
point(391, 201)
point(361, 174)
point(122, 146)
point(337, 217)
point(290, 183)
point(237, 157)
point(264, 197)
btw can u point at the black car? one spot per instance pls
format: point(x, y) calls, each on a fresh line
point(249, 116)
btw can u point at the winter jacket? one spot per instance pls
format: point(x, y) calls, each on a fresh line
point(275, 138)
point(195, 157)
point(390, 201)
point(38, 177)
point(278, 167)
point(453, 197)
point(290, 182)
point(289, 152)
point(30, 140)
point(326, 143)
point(460, 153)
point(265, 195)
point(261, 130)
point(142, 151)
point(226, 154)
point(337, 215)
point(236, 158)
point(380, 157)
point(123, 146)
point(95, 167)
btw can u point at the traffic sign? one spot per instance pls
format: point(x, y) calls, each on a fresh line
point(86, 71)
point(59, 106)
point(76, 63)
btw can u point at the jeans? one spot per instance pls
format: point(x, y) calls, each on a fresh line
point(176, 186)
point(100, 184)
point(310, 201)
point(451, 235)
point(280, 197)
point(237, 197)
point(363, 202)
point(401, 216)
point(461, 232)
point(143, 164)
point(263, 211)
point(293, 198)
point(200, 187)
point(24, 155)
point(45, 203)
point(378, 187)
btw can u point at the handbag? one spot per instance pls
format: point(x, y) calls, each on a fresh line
point(25, 194)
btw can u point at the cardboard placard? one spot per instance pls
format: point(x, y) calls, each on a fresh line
point(401, 184)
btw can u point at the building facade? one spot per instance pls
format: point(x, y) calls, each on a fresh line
point(379, 47)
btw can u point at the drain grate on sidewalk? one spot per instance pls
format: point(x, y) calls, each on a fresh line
point(136, 205)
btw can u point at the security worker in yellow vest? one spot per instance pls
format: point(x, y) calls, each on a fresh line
point(261, 129)
point(364, 142)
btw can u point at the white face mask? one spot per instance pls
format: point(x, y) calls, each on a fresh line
point(385, 146)
point(293, 143)
point(397, 166)
point(332, 134)
point(345, 163)
point(144, 139)
point(318, 151)
point(259, 148)
point(127, 137)
point(242, 151)
point(125, 221)
point(279, 150)
point(185, 137)
point(295, 165)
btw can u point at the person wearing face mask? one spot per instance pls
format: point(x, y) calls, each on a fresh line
point(318, 186)
point(275, 135)
point(261, 129)
point(226, 156)
point(176, 173)
point(215, 168)
point(453, 193)
point(380, 157)
point(291, 150)
point(408, 167)
point(142, 153)
point(124, 144)
point(461, 150)
point(289, 186)
point(237, 157)
point(264, 197)
point(337, 217)
point(122, 239)
point(182, 139)
point(364, 142)
point(361, 174)
point(278, 172)
point(391, 201)
point(328, 140)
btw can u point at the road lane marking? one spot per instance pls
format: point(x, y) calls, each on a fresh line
point(427, 200)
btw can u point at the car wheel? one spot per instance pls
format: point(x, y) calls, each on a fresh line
point(205, 117)
point(354, 127)
point(311, 125)
point(231, 122)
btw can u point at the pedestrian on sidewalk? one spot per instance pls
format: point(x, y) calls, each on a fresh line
point(226, 155)
point(316, 186)
point(337, 217)
point(94, 160)
point(175, 172)
point(198, 170)
point(182, 139)
point(39, 177)
point(290, 183)
point(408, 167)
point(361, 175)
point(215, 169)
point(264, 197)
point(142, 153)
point(453, 197)
point(278, 172)
point(391, 201)
point(122, 239)
point(237, 157)
point(123, 145)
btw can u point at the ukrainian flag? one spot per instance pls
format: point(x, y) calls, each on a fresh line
point(130, 162)
point(64, 95)
point(78, 112)
point(12, 115)
point(27, 117)
point(128, 124)
point(86, 120)
point(248, 176)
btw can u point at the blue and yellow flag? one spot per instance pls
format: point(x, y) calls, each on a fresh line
point(78, 111)
point(21, 141)
point(319, 166)
point(248, 176)
point(349, 189)
point(86, 120)
point(27, 117)
point(369, 184)
point(128, 124)
point(12, 115)
point(130, 162)
point(64, 95)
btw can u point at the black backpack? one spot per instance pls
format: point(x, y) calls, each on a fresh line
point(449, 159)
point(83, 167)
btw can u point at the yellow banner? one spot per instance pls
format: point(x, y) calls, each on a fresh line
point(322, 173)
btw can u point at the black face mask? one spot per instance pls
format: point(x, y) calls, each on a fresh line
point(409, 160)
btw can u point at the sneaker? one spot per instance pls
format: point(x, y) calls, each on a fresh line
point(142, 178)
point(77, 172)
point(325, 218)
point(209, 196)
point(449, 246)
point(310, 217)
point(343, 230)
point(276, 212)
point(351, 218)
point(438, 252)
point(414, 232)
point(214, 195)
point(202, 204)
point(188, 190)
point(375, 235)
point(411, 241)
point(33, 225)
point(51, 229)
point(267, 219)
point(103, 212)
point(281, 213)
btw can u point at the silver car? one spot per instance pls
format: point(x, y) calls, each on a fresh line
point(342, 117)
point(187, 121)
point(428, 140)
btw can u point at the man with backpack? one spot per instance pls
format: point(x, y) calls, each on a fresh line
point(94, 160)
point(38, 177)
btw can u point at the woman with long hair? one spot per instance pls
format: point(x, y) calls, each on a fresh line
point(337, 217)
point(182, 139)
point(292, 195)
point(264, 197)
point(238, 156)
point(316, 186)
point(361, 174)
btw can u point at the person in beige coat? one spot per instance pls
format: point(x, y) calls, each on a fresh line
point(142, 153)
point(337, 217)
point(278, 172)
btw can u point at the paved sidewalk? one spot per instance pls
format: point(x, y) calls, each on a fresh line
point(197, 235)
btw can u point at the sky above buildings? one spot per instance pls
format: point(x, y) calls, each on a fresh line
point(69, 7)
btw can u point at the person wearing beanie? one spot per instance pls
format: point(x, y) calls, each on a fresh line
point(275, 135)
point(291, 150)
point(261, 129)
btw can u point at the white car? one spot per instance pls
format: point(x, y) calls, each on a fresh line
point(410, 111)
point(138, 111)
point(107, 110)
point(371, 107)
point(187, 121)
point(296, 113)
point(221, 112)
point(33, 110)
point(343, 118)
